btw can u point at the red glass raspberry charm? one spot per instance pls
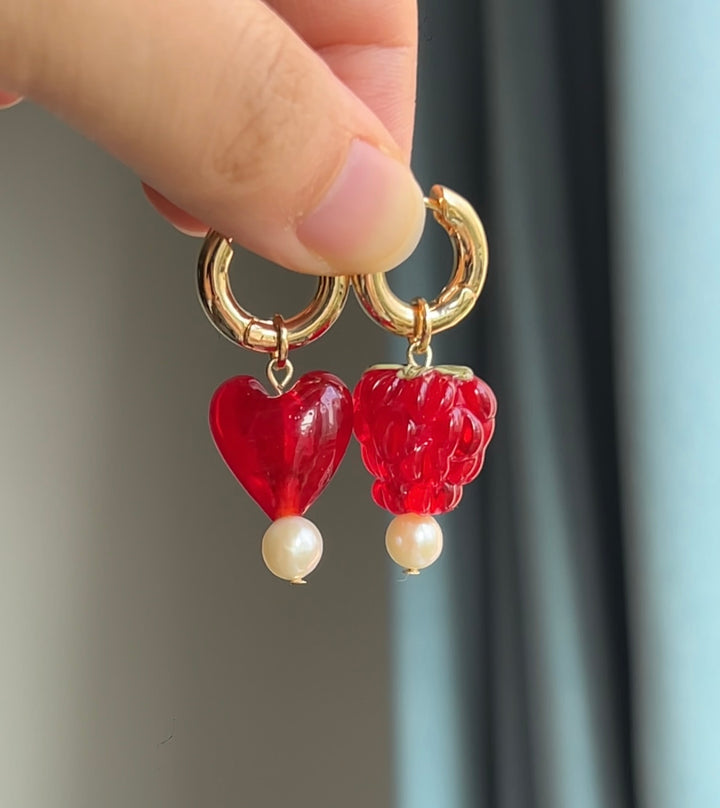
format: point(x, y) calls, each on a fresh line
point(283, 449)
point(423, 434)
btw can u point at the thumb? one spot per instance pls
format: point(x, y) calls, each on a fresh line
point(224, 110)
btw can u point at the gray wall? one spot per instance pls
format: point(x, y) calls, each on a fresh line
point(148, 659)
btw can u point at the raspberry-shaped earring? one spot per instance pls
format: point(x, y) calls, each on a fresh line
point(423, 430)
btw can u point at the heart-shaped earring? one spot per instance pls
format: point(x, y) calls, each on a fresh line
point(423, 429)
point(283, 449)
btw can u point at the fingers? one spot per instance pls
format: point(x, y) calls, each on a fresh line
point(371, 46)
point(179, 218)
point(224, 110)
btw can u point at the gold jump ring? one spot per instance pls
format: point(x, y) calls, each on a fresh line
point(280, 354)
point(422, 332)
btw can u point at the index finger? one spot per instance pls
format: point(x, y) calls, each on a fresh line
point(371, 45)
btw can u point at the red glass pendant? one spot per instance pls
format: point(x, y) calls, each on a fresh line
point(283, 449)
point(423, 433)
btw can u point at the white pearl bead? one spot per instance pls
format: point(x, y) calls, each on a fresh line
point(292, 547)
point(413, 541)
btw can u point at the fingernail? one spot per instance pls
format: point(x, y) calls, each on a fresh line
point(8, 100)
point(372, 217)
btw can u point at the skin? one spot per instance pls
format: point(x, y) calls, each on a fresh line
point(286, 125)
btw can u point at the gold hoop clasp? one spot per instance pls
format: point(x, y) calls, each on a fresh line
point(418, 320)
point(276, 336)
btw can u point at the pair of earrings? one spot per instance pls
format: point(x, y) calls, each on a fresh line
point(423, 429)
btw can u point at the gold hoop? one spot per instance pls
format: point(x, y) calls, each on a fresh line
point(457, 298)
point(276, 335)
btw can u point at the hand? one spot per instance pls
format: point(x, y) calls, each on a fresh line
point(285, 124)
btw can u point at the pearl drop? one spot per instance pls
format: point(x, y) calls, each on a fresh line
point(291, 548)
point(414, 541)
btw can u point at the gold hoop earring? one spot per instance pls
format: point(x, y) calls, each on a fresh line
point(276, 336)
point(283, 449)
point(424, 429)
point(467, 235)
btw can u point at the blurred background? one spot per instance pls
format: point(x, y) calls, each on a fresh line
point(565, 650)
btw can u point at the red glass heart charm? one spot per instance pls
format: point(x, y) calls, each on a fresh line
point(423, 437)
point(283, 449)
